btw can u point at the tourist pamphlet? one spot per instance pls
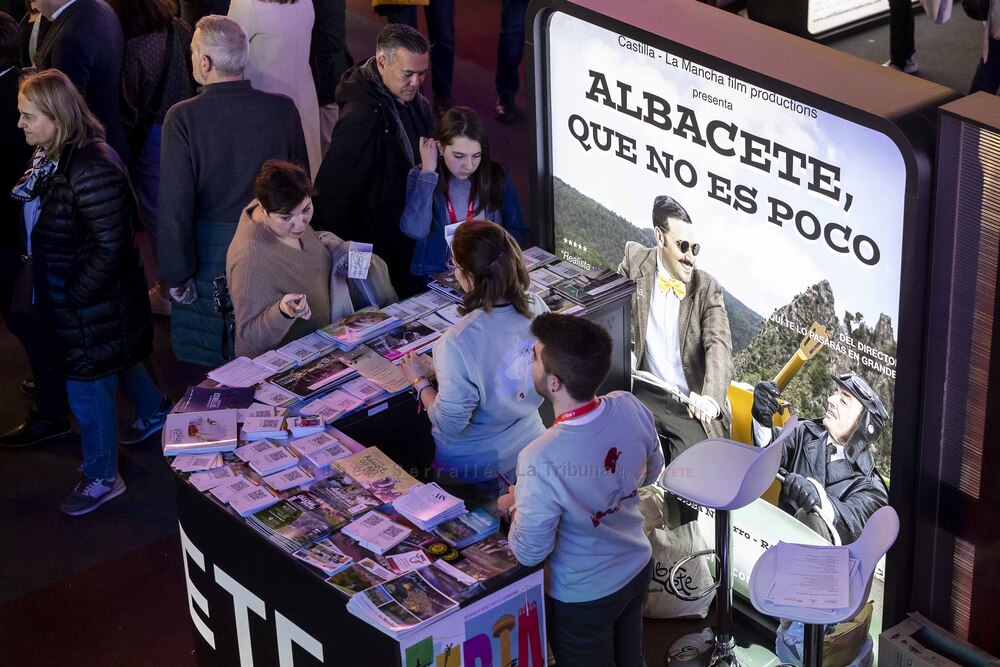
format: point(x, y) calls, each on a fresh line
point(200, 432)
point(201, 399)
point(376, 472)
point(401, 605)
point(241, 372)
point(467, 529)
point(376, 532)
point(427, 505)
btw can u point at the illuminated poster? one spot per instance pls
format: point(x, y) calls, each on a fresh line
point(795, 211)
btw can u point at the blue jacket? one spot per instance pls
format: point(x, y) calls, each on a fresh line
point(426, 215)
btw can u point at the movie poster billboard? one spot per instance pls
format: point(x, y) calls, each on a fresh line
point(796, 211)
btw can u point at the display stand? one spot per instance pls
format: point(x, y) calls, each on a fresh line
point(251, 603)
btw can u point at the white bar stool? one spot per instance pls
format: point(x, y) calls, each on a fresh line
point(722, 475)
point(877, 536)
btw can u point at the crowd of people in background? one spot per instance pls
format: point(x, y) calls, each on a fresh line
point(99, 103)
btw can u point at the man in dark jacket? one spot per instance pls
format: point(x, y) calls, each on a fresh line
point(830, 480)
point(212, 148)
point(48, 418)
point(85, 42)
point(362, 182)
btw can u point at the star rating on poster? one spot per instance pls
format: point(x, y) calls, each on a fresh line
point(573, 244)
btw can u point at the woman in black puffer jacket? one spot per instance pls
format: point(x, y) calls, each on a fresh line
point(89, 289)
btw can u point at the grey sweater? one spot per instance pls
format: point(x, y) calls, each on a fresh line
point(261, 269)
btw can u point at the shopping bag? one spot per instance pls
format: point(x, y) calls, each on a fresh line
point(938, 10)
point(845, 644)
point(669, 546)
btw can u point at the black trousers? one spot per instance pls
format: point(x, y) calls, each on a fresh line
point(601, 633)
point(901, 44)
point(50, 387)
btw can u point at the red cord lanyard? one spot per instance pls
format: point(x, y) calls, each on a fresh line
point(579, 412)
point(451, 208)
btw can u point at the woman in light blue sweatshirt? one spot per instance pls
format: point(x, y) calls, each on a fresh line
point(485, 408)
point(456, 182)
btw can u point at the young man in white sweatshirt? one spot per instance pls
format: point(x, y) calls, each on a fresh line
point(575, 504)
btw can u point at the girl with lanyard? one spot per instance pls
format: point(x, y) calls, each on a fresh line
point(484, 410)
point(456, 182)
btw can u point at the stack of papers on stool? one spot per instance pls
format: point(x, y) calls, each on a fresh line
point(427, 505)
point(817, 577)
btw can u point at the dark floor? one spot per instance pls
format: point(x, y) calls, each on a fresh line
point(108, 588)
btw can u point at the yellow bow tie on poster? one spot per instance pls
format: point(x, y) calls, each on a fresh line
point(667, 284)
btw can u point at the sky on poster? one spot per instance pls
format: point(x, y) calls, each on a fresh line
point(757, 261)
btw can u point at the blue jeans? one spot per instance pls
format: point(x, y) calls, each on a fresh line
point(440, 15)
point(93, 404)
point(510, 48)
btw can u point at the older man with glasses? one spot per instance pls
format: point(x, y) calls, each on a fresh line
point(680, 333)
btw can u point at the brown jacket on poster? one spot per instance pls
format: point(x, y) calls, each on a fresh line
point(706, 344)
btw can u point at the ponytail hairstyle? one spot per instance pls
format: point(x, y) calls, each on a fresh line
point(488, 180)
point(492, 258)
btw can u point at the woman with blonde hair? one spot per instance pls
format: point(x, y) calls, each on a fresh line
point(89, 290)
point(485, 408)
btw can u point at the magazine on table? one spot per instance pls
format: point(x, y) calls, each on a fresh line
point(376, 369)
point(401, 605)
point(241, 372)
point(596, 283)
point(291, 525)
point(324, 555)
point(199, 432)
point(467, 529)
point(196, 462)
point(487, 559)
point(276, 360)
point(270, 462)
point(310, 378)
point(426, 505)
point(377, 473)
point(376, 532)
point(535, 256)
point(354, 329)
point(360, 576)
point(395, 343)
point(349, 497)
point(202, 399)
point(272, 394)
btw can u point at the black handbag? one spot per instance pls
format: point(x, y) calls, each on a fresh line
point(978, 10)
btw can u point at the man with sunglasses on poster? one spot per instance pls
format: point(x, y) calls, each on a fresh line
point(828, 476)
point(683, 352)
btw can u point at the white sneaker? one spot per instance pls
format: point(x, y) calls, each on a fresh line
point(910, 66)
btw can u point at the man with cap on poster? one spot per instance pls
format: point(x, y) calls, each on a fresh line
point(830, 481)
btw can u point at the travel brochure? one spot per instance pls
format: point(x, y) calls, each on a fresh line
point(199, 432)
point(355, 516)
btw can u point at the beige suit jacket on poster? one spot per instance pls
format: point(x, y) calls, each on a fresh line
point(706, 344)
